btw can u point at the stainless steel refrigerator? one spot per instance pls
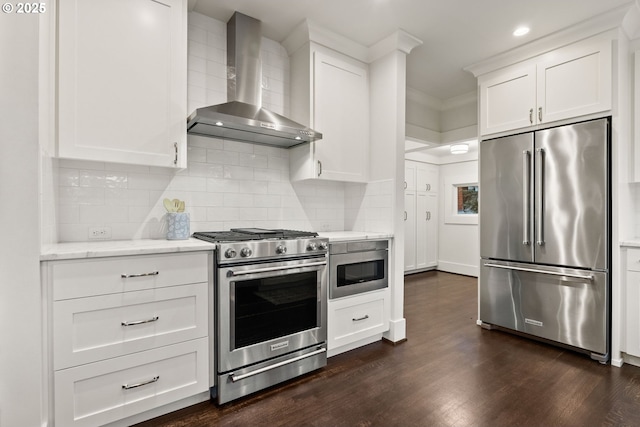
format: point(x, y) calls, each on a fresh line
point(545, 235)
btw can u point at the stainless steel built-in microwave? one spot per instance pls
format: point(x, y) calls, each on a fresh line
point(356, 267)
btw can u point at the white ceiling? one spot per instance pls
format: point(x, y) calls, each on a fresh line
point(455, 33)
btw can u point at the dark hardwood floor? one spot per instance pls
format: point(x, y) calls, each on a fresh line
point(449, 372)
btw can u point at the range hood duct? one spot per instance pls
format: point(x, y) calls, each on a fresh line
point(243, 118)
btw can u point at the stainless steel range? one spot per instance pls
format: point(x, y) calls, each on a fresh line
point(271, 312)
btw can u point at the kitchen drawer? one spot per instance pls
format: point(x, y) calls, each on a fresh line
point(90, 329)
point(355, 318)
point(99, 276)
point(633, 259)
point(95, 394)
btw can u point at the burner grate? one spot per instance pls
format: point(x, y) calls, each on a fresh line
point(246, 234)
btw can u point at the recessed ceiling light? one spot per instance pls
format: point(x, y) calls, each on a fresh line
point(219, 123)
point(521, 31)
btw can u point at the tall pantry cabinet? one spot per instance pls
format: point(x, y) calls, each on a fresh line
point(421, 216)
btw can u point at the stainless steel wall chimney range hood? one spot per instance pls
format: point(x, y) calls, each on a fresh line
point(243, 118)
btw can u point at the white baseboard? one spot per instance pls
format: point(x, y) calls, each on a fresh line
point(453, 267)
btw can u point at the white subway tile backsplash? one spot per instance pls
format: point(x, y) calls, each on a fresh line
point(196, 63)
point(196, 34)
point(197, 49)
point(220, 156)
point(252, 160)
point(238, 200)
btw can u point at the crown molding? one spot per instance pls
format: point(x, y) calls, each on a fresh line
point(309, 31)
point(597, 25)
point(631, 21)
point(399, 40)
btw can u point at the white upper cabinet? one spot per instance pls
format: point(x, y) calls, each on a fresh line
point(122, 81)
point(569, 82)
point(508, 99)
point(335, 91)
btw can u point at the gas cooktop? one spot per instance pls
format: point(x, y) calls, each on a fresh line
point(246, 234)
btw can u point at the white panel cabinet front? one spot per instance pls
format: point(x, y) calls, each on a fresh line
point(573, 81)
point(335, 102)
point(105, 326)
point(122, 81)
point(633, 303)
point(88, 277)
point(113, 389)
point(127, 334)
point(358, 317)
point(421, 216)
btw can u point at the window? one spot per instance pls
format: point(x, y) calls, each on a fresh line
point(461, 199)
point(467, 199)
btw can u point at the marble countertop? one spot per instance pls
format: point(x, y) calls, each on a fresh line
point(107, 248)
point(341, 236)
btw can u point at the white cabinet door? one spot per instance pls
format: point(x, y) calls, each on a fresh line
point(122, 81)
point(633, 303)
point(409, 176)
point(507, 99)
point(431, 254)
point(426, 177)
point(421, 216)
point(340, 111)
point(575, 82)
point(342, 115)
point(569, 82)
point(426, 230)
point(409, 231)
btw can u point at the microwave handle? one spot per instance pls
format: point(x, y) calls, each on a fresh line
point(233, 273)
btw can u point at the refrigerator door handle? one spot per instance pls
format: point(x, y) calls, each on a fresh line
point(588, 277)
point(526, 196)
point(540, 199)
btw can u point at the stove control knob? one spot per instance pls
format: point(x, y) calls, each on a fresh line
point(246, 252)
point(323, 246)
point(281, 250)
point(312, 246)
point(230, 253)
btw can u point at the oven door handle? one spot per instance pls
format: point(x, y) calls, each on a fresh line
point(233, 273)
point(236, 378)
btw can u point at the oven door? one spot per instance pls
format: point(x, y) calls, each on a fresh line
point(270, 309)
point(356, 272)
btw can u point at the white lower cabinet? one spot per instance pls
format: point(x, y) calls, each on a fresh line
point(357, 320)
point(113, 389)
point(128, 334)
point(633, 304)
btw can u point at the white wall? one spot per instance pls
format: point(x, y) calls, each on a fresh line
point(20, 313)
point(458, 244)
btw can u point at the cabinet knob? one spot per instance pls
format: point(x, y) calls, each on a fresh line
point(539, 114)
point(531, 115)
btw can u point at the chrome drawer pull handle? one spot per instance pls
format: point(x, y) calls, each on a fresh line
point(128, 276)
point(130, 386)
point(365, 317)
point(140, 322)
